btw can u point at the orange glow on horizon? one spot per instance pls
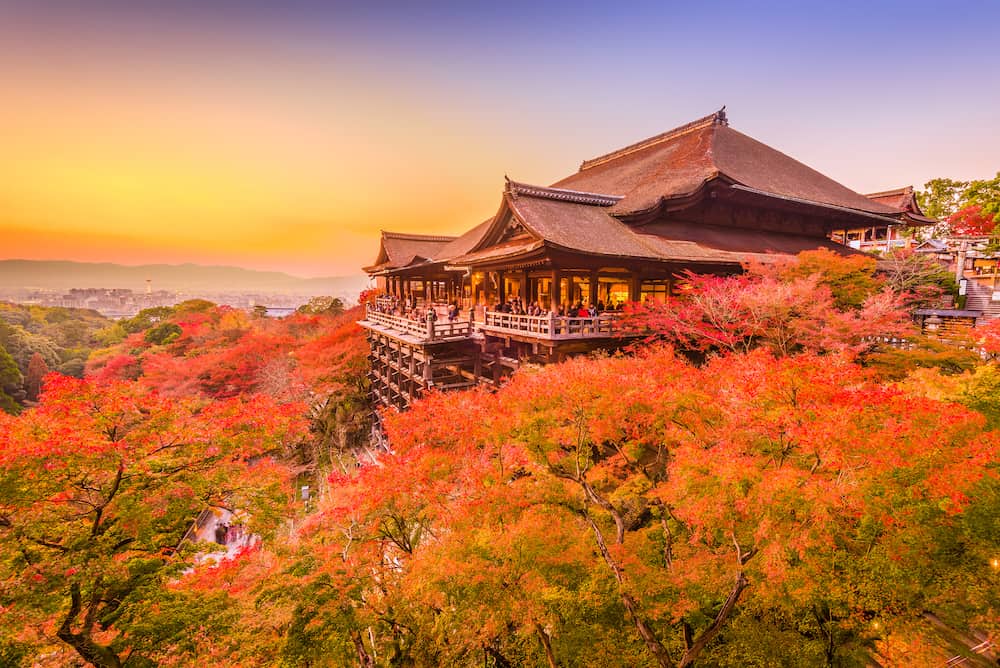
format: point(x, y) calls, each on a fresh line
point(277, 138)
point(248, 166)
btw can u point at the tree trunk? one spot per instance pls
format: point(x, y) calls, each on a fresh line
point(546, 645)
point(499, 660)
point(90, 651)
point(364, 659)
point(713, 629)
point(653, 643)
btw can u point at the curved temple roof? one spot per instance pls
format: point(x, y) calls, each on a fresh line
point(399, 249)
point(595, 210)
point(679, 162)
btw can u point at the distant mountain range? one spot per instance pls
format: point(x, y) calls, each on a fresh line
point(188, 278)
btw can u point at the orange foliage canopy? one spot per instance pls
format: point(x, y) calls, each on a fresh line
point(643, 490)
point(100, 483)
point(222, 352)
point(818, 302)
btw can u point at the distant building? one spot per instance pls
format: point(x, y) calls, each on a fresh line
point(882, 238)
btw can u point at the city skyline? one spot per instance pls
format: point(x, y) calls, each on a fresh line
point(286, 138)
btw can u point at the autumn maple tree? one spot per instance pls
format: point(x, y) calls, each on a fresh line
point(98, 486)
point(767, 497)
point(636, 511)
point(818, 302)
point(37, 368)
point(972, 221)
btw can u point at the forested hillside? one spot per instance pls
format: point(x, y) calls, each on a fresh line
point(37, 339)
point(758, 483)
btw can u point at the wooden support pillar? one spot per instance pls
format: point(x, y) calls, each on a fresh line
point(634, 287)
point(428, 369)
point(413, 374)
point(556, 290)
point(525, 292)
point(501, 287)
point(593, 288)
point(426, 295)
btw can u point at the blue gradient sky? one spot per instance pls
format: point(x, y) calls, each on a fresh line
point(285, 135)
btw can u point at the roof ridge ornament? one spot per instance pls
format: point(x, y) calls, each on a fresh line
point(721, 118)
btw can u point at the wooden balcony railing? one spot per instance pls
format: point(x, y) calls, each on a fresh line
point(553, 327)
point(430, 329)
point(386, 303)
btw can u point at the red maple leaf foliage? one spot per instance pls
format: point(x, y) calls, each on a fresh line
point(685, 494)
point(776, 307)
point(616, 510)
point(99, 485)
point(971, 221)
point(222, 352)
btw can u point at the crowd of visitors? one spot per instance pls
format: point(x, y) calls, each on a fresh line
point(407, 307)
point(227, 534)
point(516, 306)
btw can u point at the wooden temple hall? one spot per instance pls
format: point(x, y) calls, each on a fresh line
point(701, 197)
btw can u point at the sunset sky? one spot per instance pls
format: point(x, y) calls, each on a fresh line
point(284, 135)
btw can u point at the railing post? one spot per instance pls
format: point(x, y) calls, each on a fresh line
point(430, 325)
point(552, 323)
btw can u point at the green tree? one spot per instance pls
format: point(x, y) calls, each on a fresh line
point(942, 197)
point(985, 193)
point(851, 279)
point(72, 367)
point(164, 333)
point(11, 382)
point(145, 319)
point(324, 304)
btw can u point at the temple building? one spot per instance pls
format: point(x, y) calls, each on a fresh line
point(702, 197)
point(884, 238)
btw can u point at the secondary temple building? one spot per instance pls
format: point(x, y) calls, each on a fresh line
point(702, 197)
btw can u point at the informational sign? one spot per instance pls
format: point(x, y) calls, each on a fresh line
point(963, 285)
